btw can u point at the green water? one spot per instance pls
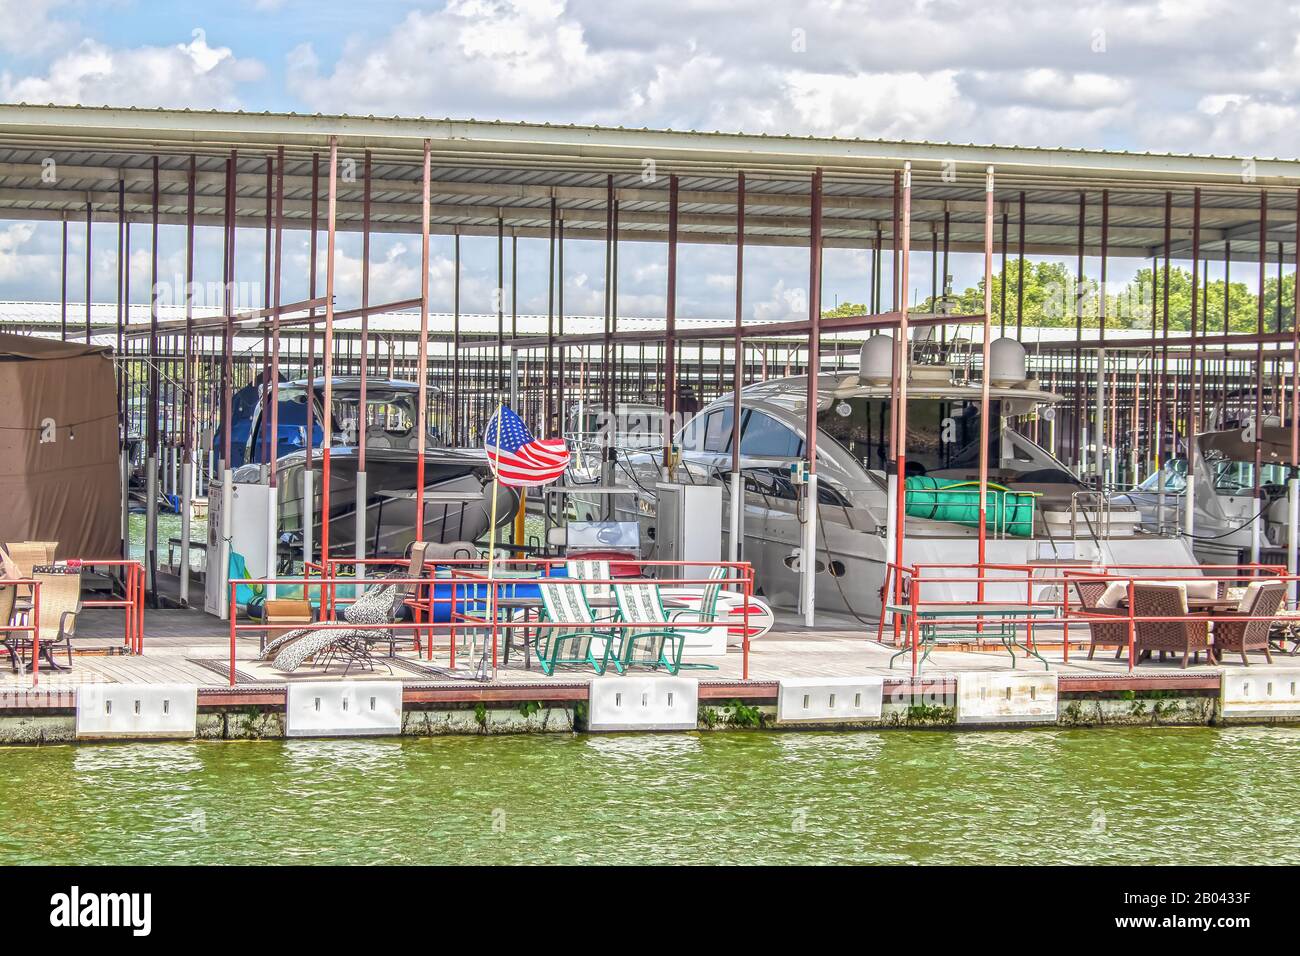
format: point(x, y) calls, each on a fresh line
point(169, 526)
point(1093, 796)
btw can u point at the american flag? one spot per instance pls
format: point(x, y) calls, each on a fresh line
point(517, 457)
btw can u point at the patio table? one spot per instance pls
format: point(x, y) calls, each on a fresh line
point(934, 627)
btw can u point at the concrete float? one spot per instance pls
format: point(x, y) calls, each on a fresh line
point(960, 701)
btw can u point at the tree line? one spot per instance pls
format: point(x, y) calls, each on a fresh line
point(1053, 297)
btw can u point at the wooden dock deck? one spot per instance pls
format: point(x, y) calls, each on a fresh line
point(188, 646)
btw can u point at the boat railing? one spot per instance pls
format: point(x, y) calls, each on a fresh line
point(1100, 506)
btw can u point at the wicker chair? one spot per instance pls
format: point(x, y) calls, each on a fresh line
point(1262, 599)
point(1101, 634)
point(26, 555)
point(50, 548)
point(1166, 600)
point(60, 603)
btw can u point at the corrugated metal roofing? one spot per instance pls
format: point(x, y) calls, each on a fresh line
point(489, 172)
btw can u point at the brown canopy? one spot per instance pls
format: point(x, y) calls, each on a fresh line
point(1275, 439)
point(59, 477)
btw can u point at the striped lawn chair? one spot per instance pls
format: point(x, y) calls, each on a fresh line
point(592, 570)
point(653, 647)
point(583, 642)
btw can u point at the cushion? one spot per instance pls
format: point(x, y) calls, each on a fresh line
point(1115, 592)
point(1202, 590)
point(1248, 598)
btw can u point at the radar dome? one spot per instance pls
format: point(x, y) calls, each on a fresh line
point(876, 361)
point(1006, 362)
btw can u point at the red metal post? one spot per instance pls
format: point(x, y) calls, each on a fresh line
point(234, 616)
point(739, 373)
point(670, 330)
point(547, 371)
point(365, 319)
point(309, 507)
point(422, 359)
point(899, 393)
point(36, 632)
point(1259, 374)
point(984, 379)
point(275, 329)
point(327, 352)
point(89, 222)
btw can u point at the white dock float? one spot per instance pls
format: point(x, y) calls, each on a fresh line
point(829, 700)
point(119, 711)
point(343, 709)
point(651, 702)
point(1260, 692)
point(1002, 698)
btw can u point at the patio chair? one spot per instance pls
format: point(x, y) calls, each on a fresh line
point(415, 561)
point(26, 555)
point(582, 642)
point(50, 549)
point(1262, 599)
point(653, 647)
point(59, 597)
point(1095, 600)
point(378, 605)
point(1166, 599)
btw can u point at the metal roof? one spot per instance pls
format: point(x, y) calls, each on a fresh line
point(489, 175)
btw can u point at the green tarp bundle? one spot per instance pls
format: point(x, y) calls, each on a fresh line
point(1006, 511)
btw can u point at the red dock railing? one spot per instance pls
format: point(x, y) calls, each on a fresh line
point(470, 597)
point(131, 602)
point(911, 580)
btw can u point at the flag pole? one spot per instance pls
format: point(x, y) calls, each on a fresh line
point(496, 481)
point(492, 533)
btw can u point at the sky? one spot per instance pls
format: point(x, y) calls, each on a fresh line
point(1205, 76)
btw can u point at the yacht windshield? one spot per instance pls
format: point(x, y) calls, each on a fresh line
point(1232, 477)
point(389, 414)
point(942, 440)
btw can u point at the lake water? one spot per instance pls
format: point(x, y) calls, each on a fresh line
point(1198, 795)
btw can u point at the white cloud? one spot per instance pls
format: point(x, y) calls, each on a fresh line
point(473, 53)
point(27, 27)
point(1105, 73)
point(192, 74)
point(15, 260)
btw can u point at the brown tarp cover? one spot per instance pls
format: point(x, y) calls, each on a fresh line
point(1275, 439)
point(65, 488)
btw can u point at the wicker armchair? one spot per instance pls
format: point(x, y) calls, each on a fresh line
point(60, 603)
point(1262, 600)
point(1101, 634)
point(1167, 600)
point(26, 555)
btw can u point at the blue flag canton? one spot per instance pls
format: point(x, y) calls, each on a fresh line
point(513, 433)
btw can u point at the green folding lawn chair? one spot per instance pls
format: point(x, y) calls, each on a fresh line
point(707, 611)
point(649, 646)
point(581, 642)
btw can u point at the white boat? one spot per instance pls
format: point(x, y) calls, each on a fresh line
point(1052, 518)
point(1226, 516)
